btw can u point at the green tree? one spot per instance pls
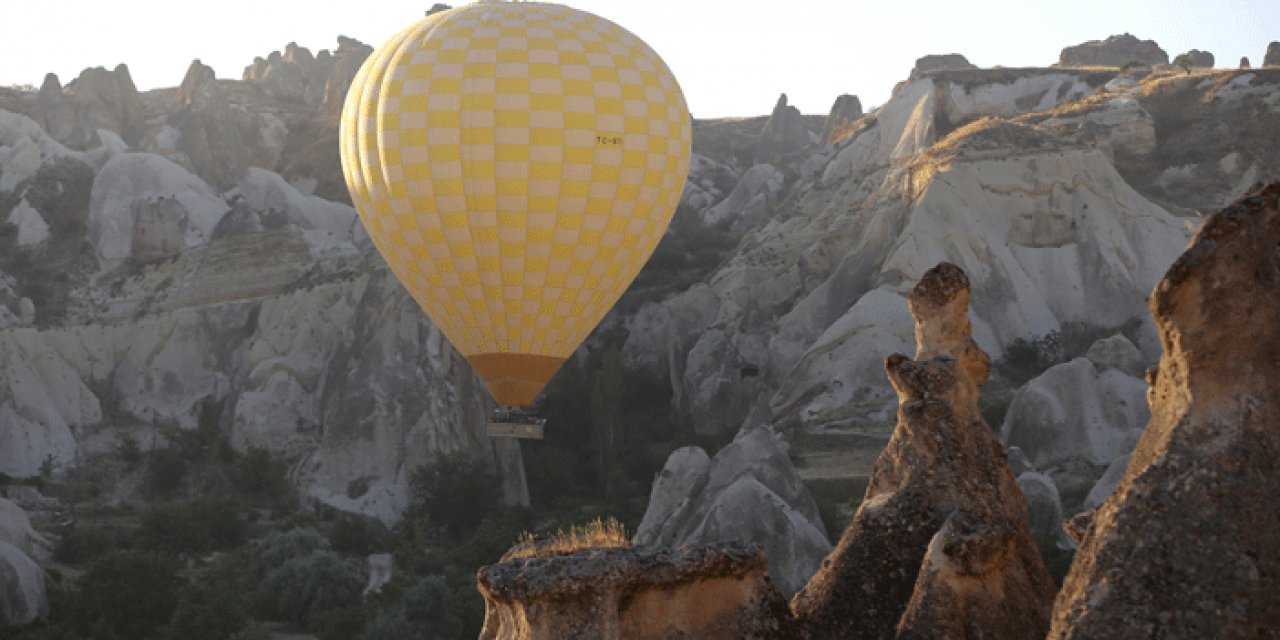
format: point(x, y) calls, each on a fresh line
point(199, 525)
point(130, 594)
point(306, 588)
point(455, 492)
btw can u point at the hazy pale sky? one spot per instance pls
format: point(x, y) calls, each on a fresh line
point(731, 57)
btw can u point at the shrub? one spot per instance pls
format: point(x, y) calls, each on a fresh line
point(129, 451)
point(430, 609)
point(455, 491)
point(199, 525)
point(279, 547)
point(87, 543)
point(166, 471)
point(355, 535)
point(129, 594)
point(259, 476)
point(306, 587)
point(390, 625)
point(216, 603)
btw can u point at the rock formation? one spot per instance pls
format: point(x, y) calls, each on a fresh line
point(319, 82)
point(97, 99)
point(1079, 416)
point(940, 547)
point(1196, 59)
point(1186, 546)
point(1272, 57)
point(211, 136)
point(22, 588)
point(749, 492)
point(708, 592)
point(784, 134)
point(844, 112)
point(1244, 62)
point(1115, 51)
point(939, 62)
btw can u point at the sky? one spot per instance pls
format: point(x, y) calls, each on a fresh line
point(732, 58)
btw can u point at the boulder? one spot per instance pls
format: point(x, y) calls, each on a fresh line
point(939, 62)
point(846, 110)
point(1115, 51)
point(1272, 57)
point(1186, 547)
point(749, 492)
point(783, 134)
point(1106, 485)
point(1195, 59)
point(941, 546)
point(22, 589)
point(15, 529)
point(709, 592)
point(1078, 417)
point(1044, 507)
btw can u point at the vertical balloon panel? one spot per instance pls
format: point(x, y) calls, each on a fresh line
point(516, 164)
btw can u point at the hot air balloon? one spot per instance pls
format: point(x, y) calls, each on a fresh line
point(515, 164)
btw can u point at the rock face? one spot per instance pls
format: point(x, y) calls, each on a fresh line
point(22, 589)
point(1186, 546)
point(940, 547)
point(1196, 58)
point(1115, 51)
point(846, 109)
point(790, 325)
point(783, 134)
point(97, 99)
point(939, 62)
point(1272, 57)
point(695, 592)
point(750, 493)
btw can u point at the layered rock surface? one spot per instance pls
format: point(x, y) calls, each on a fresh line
point(706, 592)
point(940, 547)
point(749, 493)
point(1185, 547)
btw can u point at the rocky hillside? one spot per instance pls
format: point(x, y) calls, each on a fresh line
point(186, 258)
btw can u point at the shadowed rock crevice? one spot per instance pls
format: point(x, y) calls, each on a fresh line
point(1186, 547)
point(941, 547)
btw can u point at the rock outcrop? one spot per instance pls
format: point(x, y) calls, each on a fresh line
point(97, 99)
point(939, 62)
point(1186, 546)
point(940, 547)
point(211, 136)
point(1115, 51)
point(709, 592)
point(783, 134)
point(1196, 59)
point(846, 110)
point(318, 82)
point(1272, 56)
point(750, 493)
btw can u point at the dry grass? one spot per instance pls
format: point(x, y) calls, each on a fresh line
point(597, 534)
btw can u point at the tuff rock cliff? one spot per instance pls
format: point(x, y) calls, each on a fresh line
point(1186, 546)
point(166, 262)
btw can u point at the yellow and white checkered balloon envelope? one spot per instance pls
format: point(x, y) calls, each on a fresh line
point(515, 164)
